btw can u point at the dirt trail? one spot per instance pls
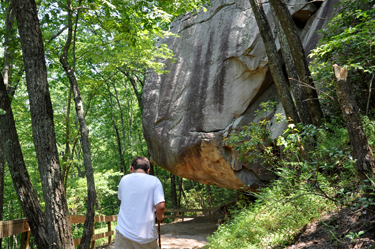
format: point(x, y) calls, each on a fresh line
point(192, 233)
point(189, 234)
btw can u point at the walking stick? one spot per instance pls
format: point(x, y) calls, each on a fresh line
point(159, 234)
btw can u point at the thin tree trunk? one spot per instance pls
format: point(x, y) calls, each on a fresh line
point(362, 152)
point(299, 57)
point(85, 143)
point(119, 145)
point(183, 193)
point(9, 37)
point(10, 17)
point(179, 179)
point(57, 216)
point(130, 127)
point(2, 166)
point(174, 193)
point(67, 142)
point(138, 93)
point(297, 91)
point(122, 151)
point(21, 180)
point(152, 167)
point(209, 195)
point(274, 61)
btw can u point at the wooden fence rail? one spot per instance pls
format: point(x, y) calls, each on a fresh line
point(13, 227)
point(75, 219)
point(180, 213)
point(20, 226)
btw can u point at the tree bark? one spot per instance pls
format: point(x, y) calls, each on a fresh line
point(274, 61)
point(9, 20)
point(362, 152)
point(118, 138)
point(21, 180)
point(137, 93)
point(85, 143)
point(57, 216)
point(299, 57)
point(174, 193)
point(2, 166)
point(297, 92)
point(67, 142)
point(10, 17)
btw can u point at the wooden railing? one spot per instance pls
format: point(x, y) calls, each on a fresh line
point(75, 219)
point(20, 226)
point(208, 212)
point(13, 227)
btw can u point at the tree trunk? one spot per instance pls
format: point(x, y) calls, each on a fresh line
point(57, 216)
point(299, 57)
point(208, 187)
point(137, 93)
point(173, 191)
point(362, 152)
point(67, 142)
point(21, 180)
point(179, 180)
point(297, 92)
point(85, 143)
point(9, 37)
point(2, 166)
point(10, 17)
point(118, 139)
point(274, 61)
point(122, 148)
point(152, 167)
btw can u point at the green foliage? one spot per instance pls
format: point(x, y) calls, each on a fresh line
point(348, 40)
point(272, 220)
point(316, 174)
point(369, 128)
point(106, 184)
point(354, 236)
point(254, 140)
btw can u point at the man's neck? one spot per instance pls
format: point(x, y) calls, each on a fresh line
point(139, 171)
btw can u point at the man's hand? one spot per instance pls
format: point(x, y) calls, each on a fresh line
point(160, 207)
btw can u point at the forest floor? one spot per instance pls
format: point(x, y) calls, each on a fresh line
point(340, 230)
point(329, 232)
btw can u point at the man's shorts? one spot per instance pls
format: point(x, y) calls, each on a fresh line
point(124, 243)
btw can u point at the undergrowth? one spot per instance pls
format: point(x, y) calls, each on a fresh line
point(274, 219)
point(316, 174)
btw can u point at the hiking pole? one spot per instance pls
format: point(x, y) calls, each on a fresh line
point(159, 234)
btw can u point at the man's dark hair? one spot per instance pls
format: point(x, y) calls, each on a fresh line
point(141, 162)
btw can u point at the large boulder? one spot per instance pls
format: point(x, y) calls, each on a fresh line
point(218, 79)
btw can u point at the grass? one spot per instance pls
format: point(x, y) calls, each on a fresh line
point(274, 219)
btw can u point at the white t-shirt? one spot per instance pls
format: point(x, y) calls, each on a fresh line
point(139, 193)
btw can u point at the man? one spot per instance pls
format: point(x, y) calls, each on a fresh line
point(140, 194)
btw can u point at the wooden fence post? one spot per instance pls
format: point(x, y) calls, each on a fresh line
point(25, 240)
point(109, 229)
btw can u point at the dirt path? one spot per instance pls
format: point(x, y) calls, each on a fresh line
point(192, 233)
point(189, 234)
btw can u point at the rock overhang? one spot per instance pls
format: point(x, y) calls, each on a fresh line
point(217, 82)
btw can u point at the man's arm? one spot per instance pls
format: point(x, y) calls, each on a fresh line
point(160, 208)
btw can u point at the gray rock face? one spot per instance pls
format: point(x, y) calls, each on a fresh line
point(217, 82)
